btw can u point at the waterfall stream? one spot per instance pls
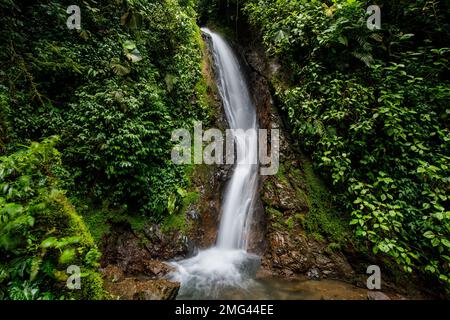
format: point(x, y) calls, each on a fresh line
point(227, 264)
point(240, 193)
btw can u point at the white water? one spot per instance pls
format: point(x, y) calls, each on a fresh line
point(228, 264)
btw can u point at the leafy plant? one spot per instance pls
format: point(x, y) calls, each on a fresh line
point(371, 107)
point(40, 232)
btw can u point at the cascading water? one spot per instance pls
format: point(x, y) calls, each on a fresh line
point(228, 264)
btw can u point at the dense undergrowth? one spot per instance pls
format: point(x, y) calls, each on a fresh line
point(41, 234)
point(112, 92)
point(371, 107)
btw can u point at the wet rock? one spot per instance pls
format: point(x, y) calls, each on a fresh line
point(322, 260)
point(263, 273)
point(287, 273)
point(223, 172)
point(164, 245)
point(193, 214)
point(142, 288)
point(156, 268)
point(131, 288)
point(157, 290)
point(377, 295)
point(128, 253)
point(313, 274)
point(112, 273)
point(123, 249)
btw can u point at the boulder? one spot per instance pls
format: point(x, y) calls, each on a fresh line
point(131, 288)
point(377, 295)
point(156, 268)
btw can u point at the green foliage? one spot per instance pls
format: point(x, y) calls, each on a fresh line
point(180, 203)
point(130, 76)
point(322, 218)
point(40, 232)
point(372, 109)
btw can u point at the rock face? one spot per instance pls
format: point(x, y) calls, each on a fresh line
point(133, 288)
point(156, 290)
point(278, 233)
point(210, 182)
point(291, 248)
point(290, 254)
point(129, 270)
point(164, 245)
point(130, 251)
point(377, 295)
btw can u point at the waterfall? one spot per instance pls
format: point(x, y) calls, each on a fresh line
point(240, 192)
point(227, 264)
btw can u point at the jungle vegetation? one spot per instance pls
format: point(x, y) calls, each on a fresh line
point(86, 117)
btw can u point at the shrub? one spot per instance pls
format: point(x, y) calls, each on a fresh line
point(40, 232)
point(371, 107)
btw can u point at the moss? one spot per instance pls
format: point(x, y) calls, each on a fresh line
point(190, 198)
point(333, 247)
point(322, 221)
point(322, 218)
point(174, 222)
point(225, 31)
point(276, 216)
point(289, 222)
point(206, 88)
point(91, 287)
point(274, 213)
point(97, 222)
point(137, 222)
point(177, 221)
point(60, 220)
point(281, 174)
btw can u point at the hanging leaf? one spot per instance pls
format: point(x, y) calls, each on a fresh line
point(171, 203)
point(343, 40)
point(129, 45)
point(135, 21)
point(49, 242)
point(280, 36)
point(329, 11)
point(67, 256)
point(35, 266)
point(118, 68)
point(134, 56)
point(84, 35)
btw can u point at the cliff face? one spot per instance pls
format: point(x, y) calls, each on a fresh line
point(296, 229)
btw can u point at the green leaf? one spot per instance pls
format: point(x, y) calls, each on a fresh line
point(129, 45)
point(49, 242)
point(134, 56)
point(119, 69)
point(429, 235)
point(446, 242)
point(67, 256)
